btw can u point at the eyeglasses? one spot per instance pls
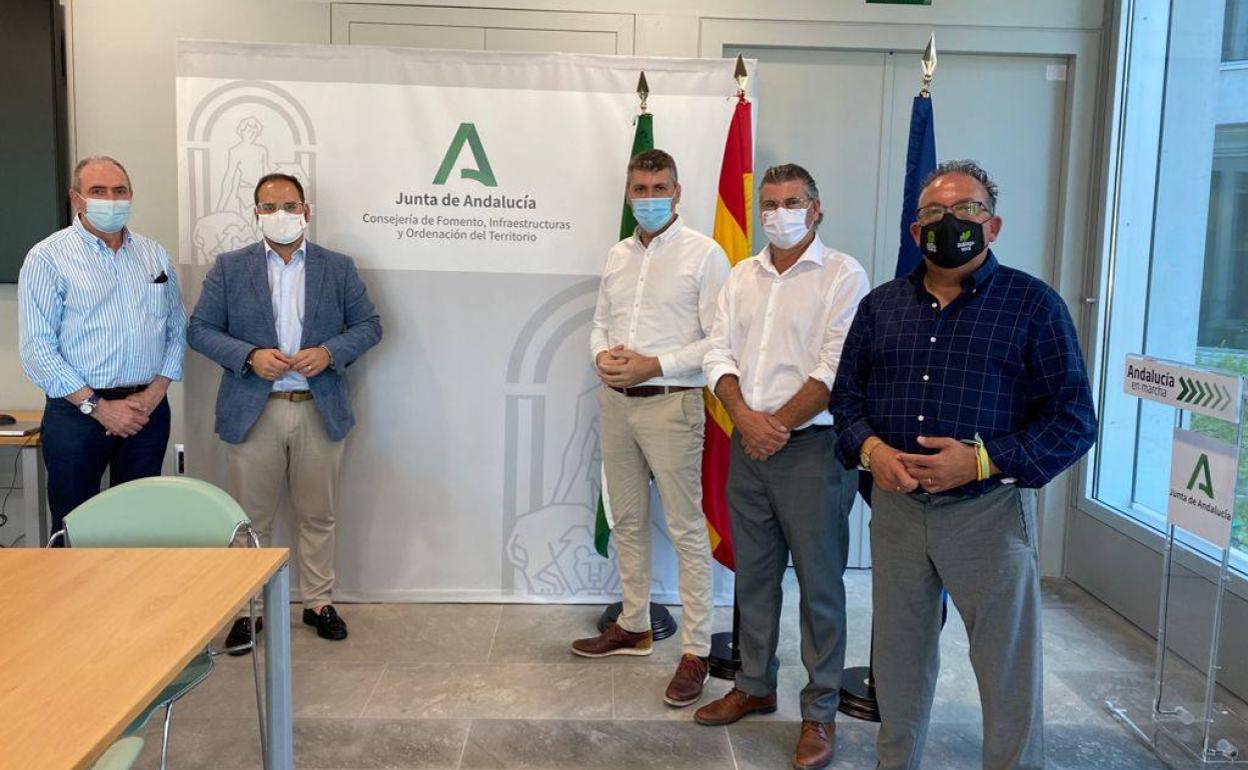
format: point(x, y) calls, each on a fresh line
point(968, 209)
point(290, 207)
point(789, 203)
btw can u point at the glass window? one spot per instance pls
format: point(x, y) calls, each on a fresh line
point(1235, 31)
point(1176, 237)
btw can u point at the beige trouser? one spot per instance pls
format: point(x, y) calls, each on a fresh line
point(288, 448)
point(659, 436)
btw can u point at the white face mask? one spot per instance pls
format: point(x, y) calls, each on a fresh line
point(785, 228)
point(281, 227)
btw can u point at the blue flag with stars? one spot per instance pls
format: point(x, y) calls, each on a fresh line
point(920, 161)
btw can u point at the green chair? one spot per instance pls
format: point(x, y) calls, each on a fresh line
point(121, 755)
point(167, 512)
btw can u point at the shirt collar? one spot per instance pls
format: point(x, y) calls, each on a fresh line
point(976, 280)
point(298, 253)
point(671, 232)
point(92, 238)
point(813, 254)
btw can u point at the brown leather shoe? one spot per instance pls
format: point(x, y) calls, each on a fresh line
point(816, 745)
point(732, 707)
point(614, 641)
point(686, 686)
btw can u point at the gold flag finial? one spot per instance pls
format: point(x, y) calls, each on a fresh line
point(643, 90)
point(740, 75)
point(929, 65)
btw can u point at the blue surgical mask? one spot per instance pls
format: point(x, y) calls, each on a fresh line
point(106, 215)
point(652, 213)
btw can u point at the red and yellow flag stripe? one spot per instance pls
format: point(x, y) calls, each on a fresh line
point(732, 230)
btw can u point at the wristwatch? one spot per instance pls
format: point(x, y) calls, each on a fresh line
point(89, 403)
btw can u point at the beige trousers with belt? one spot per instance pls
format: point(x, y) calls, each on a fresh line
point(288, 449)
point(659, 436)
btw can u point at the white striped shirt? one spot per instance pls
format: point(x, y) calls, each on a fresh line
point(89, 317)
point(286, 290)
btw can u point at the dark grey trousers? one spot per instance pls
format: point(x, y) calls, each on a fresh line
point(982, 550)
point(796, 501)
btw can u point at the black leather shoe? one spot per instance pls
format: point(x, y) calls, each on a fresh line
point(328, 624)
point(240, 633)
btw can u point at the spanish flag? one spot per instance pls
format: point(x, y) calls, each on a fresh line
point(733, 211)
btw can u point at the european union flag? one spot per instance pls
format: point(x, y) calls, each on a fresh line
point(920, 161)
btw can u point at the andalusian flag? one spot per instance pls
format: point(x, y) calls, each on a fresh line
point(732, 231)
point(643, 139)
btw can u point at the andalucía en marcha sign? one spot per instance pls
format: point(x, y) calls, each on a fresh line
point(1186, 387)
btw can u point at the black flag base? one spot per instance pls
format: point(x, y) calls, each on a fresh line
point(662, 624)
point(858, 695)
point(724, 661)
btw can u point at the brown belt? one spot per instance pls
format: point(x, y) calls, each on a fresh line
point(645, 391)
point(296, 396)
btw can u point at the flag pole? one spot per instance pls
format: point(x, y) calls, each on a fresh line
point(662, 624)
point(858, 691)
point(724, 660)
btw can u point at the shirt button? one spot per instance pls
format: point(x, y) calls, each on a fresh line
point(933, 339)
point(920, 418)
point(936, 304)
point(926, 378)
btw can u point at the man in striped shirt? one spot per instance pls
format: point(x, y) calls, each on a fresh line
point(102, 331)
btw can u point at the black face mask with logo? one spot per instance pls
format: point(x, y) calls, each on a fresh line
point(952, 242)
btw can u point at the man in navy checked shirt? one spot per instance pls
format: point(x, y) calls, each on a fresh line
point(962, 389)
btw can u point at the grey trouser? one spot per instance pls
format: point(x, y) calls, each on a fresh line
point(982, 550)
point(797, 501)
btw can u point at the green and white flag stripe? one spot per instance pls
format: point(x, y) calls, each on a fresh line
point(643, 139)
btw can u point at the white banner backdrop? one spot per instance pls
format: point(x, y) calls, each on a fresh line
point(478, 193)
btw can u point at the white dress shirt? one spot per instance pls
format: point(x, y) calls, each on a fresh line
point(287, 289)
point(774, 331)
point(659, 300)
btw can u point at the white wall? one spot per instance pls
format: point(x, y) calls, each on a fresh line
point(121, 59)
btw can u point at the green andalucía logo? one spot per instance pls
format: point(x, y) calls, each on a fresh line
point(966, 236)
point(467, 134)
point(1201, 473)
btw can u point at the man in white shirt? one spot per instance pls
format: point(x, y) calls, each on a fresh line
point(782, 318)
point(655, 309)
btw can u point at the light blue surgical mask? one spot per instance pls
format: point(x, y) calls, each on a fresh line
point(652, 213)
point(107, 215)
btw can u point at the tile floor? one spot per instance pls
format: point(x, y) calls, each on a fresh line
point(494, 686)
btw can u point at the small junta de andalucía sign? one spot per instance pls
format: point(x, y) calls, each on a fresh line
point(1190, 388)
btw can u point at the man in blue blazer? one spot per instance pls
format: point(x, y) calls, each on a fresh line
point(284, 318)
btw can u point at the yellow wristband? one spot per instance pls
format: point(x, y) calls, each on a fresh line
point(981, 459)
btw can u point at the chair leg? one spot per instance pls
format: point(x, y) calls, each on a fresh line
point(164, 745)
point(255, 670)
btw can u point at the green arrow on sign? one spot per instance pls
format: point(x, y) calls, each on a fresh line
point(1204, 394)
point(1183, 389)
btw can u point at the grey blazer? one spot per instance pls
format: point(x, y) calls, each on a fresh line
point(234, 316)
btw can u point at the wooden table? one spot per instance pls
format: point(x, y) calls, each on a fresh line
point(34, 481)
point(97, 633)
